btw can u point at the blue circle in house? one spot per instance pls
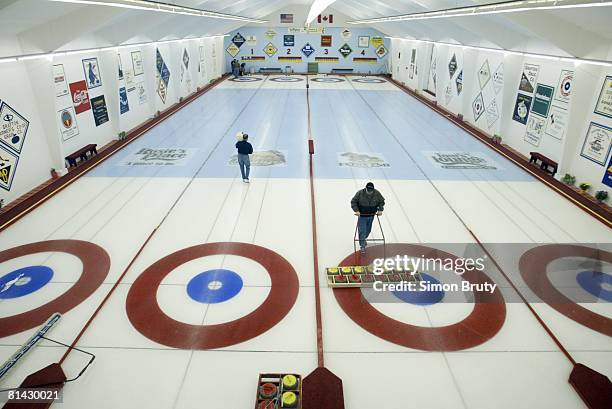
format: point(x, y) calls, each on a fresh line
point(24, 281)
point(593, 282)
point(418, 297)
point(214, 286)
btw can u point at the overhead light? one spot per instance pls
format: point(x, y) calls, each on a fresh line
point(575, 60)
point(495, 8)
point(162, 8)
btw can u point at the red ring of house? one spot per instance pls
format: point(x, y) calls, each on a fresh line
point(147, 317)
point(96, 264)
point(485, 320)
point(533, 270)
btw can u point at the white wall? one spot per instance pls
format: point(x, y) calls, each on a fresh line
point(501, 91)
point(28, 87)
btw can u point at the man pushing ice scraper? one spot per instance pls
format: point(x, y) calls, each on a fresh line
point(366, 204)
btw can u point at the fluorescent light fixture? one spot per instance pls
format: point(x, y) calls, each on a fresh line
point(318, 6)
point(51, 55)
point(162, 8)
point(575, 60)
point(494, 8)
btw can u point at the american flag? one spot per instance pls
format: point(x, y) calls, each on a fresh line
point(286, 18)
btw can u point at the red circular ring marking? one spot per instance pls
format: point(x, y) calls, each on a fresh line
point(147, 317)
point(485, 320)
point(533, 266)
point(96, 264)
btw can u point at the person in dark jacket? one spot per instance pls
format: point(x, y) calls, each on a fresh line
point(244, 150)
point(366, 204)
point(235, 68)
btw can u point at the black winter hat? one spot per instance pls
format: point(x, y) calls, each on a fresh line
point(369, 185)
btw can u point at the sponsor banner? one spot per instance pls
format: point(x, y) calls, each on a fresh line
point(365, 60)
point(484, 74)
point(238, 40)
point(326, 41)
point(124, 105)
point(452, 66)
point(92, 73)
point(162, 69)
point(460, 160)
point(98, 107)
point(271, 158)
point(362, 160)
point(521, 108)
point(307, 50)
point(67, 123)
point(607, 179)
point(232, 50)
point(251, 40)
point(529, 78)
point(270, 34)
point(604, 102)
point(137, 64)
point(542, 100)
point(270, 49)
point(498, 79)
point(8, 167)
point(377, 41)
point(13, 128)
point(289, 58)
point(162, 90)
point(159, 157)
point(597, 142)
point(346, 34)
point(141, 92)
point(448, 94)
point(458, 82)
point(59, 78)
point(363, 41)
point(557, 122)
point(185, 58)
point(307, 30)
point(286, 18)
point(80, 96)
point(289, 40)
point(535, 130)
point(381, 51)
point(253, 58)
point(492, 113)
point(327, 59)
point(478, 107)
point(120, 67)
point(564, 86)
point(345, 50)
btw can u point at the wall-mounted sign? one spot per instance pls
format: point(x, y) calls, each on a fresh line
point(597, 142)
point(326, 41)
point(289, 40)
point(80, 96)
point(67, 123)
point(381, 51)
point(557, 122)
point(307, 50)
point(521, 108)
point(124, 105)
point(238, 39)
point(345, 50)
point(98, 107)
point(535, 130)
point(137, 64)
point(484, 74)
point(607, 179)
point(8, 167)
point(59, 78)
point(498, 78)
point(564, 86)
point(270, 49)
point(13, 128)
point(492, 113)
point(377, 41)
point(478, 107)
point(452, 66)
point(232, 49)
point(363, 41)
point(529, 77)
point(92, 73)
point(542, 100)
point(604, 102)
point(251, 41)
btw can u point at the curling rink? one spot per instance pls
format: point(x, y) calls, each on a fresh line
point(210, 280)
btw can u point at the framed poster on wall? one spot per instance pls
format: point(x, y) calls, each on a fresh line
point(59, 78)
point(68, 124)
point(137, 65)
point(604, 102)
point(92, 72)
point(596, 146)
point(364, 41)
point(607, 179)
point(326, 41)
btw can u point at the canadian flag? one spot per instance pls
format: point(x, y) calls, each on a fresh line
point(327, 18)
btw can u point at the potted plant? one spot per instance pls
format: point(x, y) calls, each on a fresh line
point(157, 113)
point(584, 187)
point(601, 196)
point(1, 203)
point(122, 135)
point(180, 99)
point(496, 138)
point(54, 174)
point(568, 179)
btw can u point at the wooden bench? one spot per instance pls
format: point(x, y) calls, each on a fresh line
point(270, 70)
point(342, 71)
point(545, 162)
point(81, 153)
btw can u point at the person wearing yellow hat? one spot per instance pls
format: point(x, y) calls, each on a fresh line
point(244, 150)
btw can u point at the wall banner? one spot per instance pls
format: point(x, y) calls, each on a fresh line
point(557, 122)
point(604, 102)
point(478, 106)
point(521, 108)
point(92, 73)
point(80, 96)
point(59, 78)
point(452, 66)
point(13, 128)
point(67, 123)
point(492, 113)
point(484, 74)
point(542, 100)
point(564, 86)
point(597, 142)
point(8, 167)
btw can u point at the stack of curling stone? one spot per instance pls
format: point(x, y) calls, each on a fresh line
point(289, 398)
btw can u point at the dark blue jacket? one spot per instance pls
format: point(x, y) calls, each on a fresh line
point(244, 147)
